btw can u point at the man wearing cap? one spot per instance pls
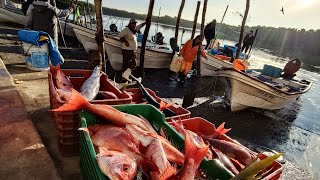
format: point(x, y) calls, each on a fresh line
point(129, 46)
point(42, 16)
point(248, 41)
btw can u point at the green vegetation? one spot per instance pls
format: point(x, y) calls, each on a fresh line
point(281, 41)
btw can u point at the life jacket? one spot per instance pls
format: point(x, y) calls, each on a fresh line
point(237, 64)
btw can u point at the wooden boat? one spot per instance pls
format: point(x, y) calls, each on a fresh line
point(210, 66)
point(253, 89)
point(11, 12)
point(156, 56)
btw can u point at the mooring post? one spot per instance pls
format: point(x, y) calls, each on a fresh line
point(195, 20)
point(242, 28)
point(145, 36)
point(201, 36)
point(99, 34)
point(177, 28)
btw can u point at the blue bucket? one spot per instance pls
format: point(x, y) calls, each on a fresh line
point(140, 37)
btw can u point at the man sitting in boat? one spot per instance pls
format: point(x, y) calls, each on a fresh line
point(189, 52)
point(129, 46)
point(248, 42)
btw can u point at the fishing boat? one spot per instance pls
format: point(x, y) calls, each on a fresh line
point(217, 59)
point(11, 12)
point(253, 89)
point(156, 56)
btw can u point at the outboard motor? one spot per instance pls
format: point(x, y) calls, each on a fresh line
point(158, 38)
point(113, 28)
point(291, 68)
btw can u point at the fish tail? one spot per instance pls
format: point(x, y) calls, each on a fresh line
point(74, 103)
point(221, 130)
point(169, 172)
point(193, 152)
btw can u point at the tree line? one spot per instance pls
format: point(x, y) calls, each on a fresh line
point(290, 42)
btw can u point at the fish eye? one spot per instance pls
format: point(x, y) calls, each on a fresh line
point(125, 168)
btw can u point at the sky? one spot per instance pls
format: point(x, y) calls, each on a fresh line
point(298, 13)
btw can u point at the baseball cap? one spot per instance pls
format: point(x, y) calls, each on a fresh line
point(133, 21)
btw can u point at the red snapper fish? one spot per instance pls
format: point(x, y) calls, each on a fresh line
point(76, 102)
point(145, 138)
point(118, 139)
point(156, 153)
point(116, 165)
point(60, 79)
point(108, 95)
point(194, 154)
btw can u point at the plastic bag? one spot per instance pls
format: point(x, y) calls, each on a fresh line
point(176, 63)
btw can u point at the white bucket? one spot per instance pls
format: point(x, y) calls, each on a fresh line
point(37, 58)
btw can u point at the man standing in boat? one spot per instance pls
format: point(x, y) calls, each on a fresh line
point(42, 16)
point(248, 42)
point(129, 46)
point(210, 32)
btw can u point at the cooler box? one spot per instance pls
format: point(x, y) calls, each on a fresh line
point(271, 71)
point(36, 57)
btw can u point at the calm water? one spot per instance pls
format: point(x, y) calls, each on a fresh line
point(306, 126)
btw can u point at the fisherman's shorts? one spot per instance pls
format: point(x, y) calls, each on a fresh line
point(129, 59)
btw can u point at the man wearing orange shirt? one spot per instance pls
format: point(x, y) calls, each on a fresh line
point(189, 52)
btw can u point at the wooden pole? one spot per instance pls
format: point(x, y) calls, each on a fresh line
point(201, 36)
point(224, 14)
point(188, 98)
point(177, 28)
point(59, 26)
point(145, 36)
point(85, 15)
point(242, 27)
point(99, 34)
point(195, 20)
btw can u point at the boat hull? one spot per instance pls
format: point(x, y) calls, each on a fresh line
point(153, 59)
point(243, 92)
point(210, 66)
point(9, 16)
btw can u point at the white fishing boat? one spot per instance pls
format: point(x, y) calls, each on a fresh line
point(214, 62)
point(11, 12)
point(254, 89)
point(156, 56)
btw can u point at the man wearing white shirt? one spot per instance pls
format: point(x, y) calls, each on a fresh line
point(129, 46)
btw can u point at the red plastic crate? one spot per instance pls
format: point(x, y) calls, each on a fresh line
point(181, 113)
point(67, 123)
point(198, 124)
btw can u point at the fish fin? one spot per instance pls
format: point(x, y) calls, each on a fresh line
point(164, 105)
point(146, 165)
point(193, 152)
point(218, 131)
point(221, 130)
point(103, 151)
point(84, 129)
point(147, 124)
point(162, 133)
point(74, 103)
point(169, 172)
point(124, 86)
